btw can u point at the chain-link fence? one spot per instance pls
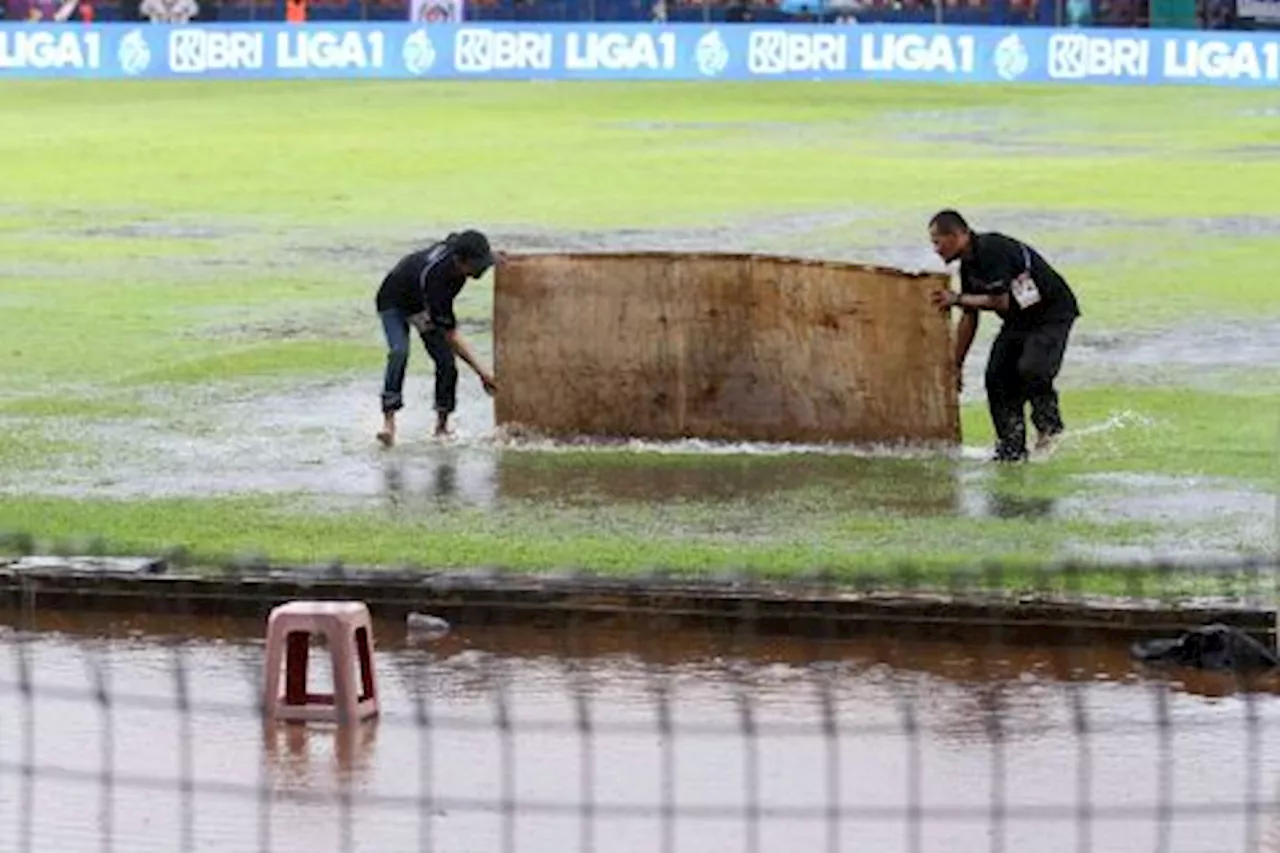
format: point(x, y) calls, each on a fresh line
point(1068, 708)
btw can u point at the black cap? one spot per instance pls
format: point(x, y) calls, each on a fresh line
point(472, 246)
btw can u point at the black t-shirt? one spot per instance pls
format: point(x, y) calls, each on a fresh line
point(426, 279)
point(996, 263)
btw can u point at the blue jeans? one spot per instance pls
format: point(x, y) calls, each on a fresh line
point(395, 325)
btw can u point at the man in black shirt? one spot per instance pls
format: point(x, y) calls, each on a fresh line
point(419, 292)
point(1037, 307)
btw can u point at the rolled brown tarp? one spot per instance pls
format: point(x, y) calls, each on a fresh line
point(722, 347)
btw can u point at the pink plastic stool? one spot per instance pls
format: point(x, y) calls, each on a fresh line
point(349, 632)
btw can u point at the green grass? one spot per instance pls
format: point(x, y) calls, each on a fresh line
point(54, 248)
point(74, 407)
point(303, 194)
point(24, 449)
point(1139, 289)
point(1174, 432)
point(294, 357)
point(502, 153)
point(530, 538)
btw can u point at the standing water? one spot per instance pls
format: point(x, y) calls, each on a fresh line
point(143, 735)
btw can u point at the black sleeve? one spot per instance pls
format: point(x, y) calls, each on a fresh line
point(414, 300)
point(442, 317)
point(1001, 263)
point(440, 304)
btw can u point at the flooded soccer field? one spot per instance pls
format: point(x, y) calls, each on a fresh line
point(190, 360)
point(191, 356)
point(142, 734)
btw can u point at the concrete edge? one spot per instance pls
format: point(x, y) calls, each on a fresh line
point(796, 608)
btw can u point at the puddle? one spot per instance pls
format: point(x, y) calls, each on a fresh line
point(770, 128)
point(1220, 344)
point(1002, 144)
point(1252, 152)
point(982, 117)
point(1032, 220)
point(314, 437)
point(857, 234)
point(303, 444)
point(913, 488)
point(769, 745)
point(167, 230)
point(304, 440)
point(808, 234)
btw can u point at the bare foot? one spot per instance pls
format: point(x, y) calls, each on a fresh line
point(1046, 443)
point(387, 435)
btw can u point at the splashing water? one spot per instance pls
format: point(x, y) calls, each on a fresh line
point(522, 440)
point(1116, 421)
point(508, 440)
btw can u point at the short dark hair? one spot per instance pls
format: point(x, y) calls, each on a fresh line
point(471, 245)
point(949, 222)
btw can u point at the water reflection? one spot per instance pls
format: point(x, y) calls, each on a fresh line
point(838, 483)
point(298, 755)
point(492, 714)
point(444, 481)
point(1006, 505)
point(393, 481)
point(1007, 492)
point(474, 657)
point(445, 478)
point(452, 476)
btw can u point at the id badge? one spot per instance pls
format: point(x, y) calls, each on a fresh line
point(1025, 292)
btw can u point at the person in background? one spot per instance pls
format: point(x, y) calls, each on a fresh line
point(419, 292)
point(738, 12)
point(1037, 308)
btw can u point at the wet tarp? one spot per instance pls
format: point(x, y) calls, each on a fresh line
point(1216, 647)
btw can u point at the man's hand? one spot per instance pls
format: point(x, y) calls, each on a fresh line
point(959, 378)
point(489, 383)
point(421, 321)
point(944, 299)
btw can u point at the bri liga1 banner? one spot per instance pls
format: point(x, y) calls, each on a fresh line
point(518, 51)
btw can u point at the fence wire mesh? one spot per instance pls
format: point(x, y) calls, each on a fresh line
point(995, 709)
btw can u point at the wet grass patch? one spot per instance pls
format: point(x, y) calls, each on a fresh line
point(26, 448)
point(532, 537)
point(261, 133)
point(63, 334)
point(212, 296)
point(1176, 432)
point(91, 408)
point(1143, 285)
point(300, 357)
point(53, 245)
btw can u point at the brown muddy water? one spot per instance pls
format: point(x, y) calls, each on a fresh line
point(143, 736)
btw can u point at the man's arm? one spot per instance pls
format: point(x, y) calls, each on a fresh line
point(971, 302)
point(965, 331)
point(459, 345)
point(1000, 261)
point(976, 302)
